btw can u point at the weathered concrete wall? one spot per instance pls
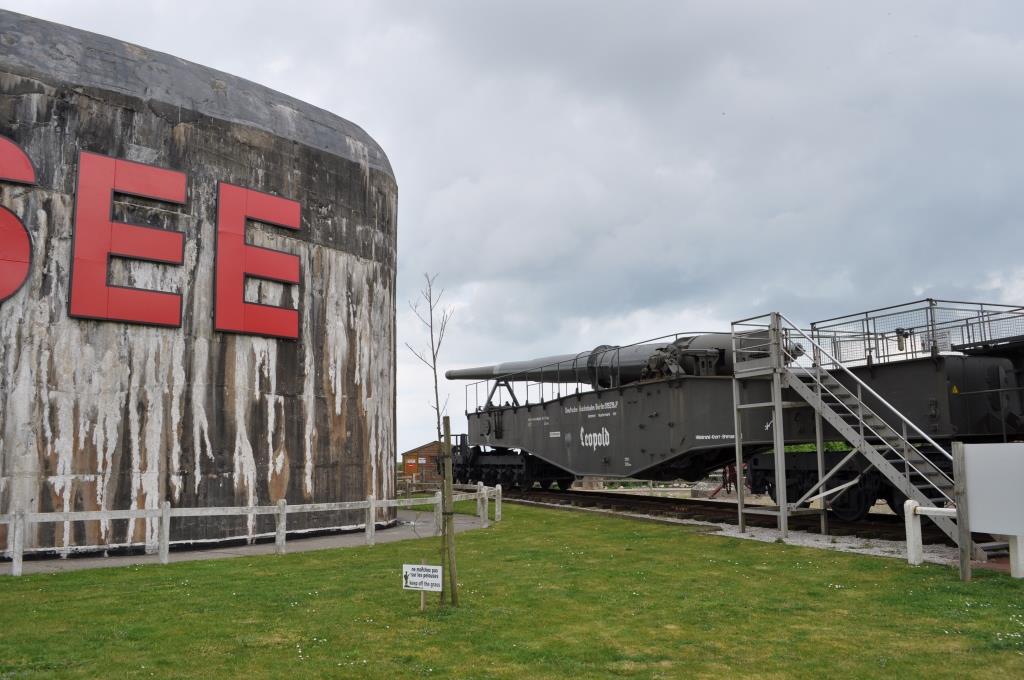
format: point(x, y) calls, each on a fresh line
point(99, 414)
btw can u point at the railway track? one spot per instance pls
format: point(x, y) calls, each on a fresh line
point(887, 527)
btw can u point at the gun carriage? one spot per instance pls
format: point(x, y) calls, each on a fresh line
point(896, 384)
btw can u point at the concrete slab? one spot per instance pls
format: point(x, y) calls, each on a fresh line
point(411, 525)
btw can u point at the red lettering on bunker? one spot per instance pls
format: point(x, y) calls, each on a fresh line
point(237, 260)
point(97, 237)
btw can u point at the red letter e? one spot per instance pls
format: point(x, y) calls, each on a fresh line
point(97, 237)
point(237, 260)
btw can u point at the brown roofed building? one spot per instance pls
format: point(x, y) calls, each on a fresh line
point(420, 463)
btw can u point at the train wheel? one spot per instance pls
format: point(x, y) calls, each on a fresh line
point(545, 484)
point(565, 483)
point(852, 505)
point(895, 500)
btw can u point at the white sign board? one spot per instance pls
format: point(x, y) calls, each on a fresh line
point(995, 487)
point(421, 577)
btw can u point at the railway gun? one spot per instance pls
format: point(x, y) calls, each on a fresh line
point(868, 403)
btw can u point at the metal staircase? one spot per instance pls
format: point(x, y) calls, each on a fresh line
point(772, 347)
point(906, 465)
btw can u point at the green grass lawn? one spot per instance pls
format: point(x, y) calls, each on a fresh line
point(545, 594)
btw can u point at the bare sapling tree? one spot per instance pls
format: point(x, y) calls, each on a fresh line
point(435, 317)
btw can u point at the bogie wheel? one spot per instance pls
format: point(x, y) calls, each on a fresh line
point(895, 500)
point(565, 483)
point(545, 484)
point(852, 505)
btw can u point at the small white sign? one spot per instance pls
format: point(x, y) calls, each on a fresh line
point(995, 474)
point(421, 577)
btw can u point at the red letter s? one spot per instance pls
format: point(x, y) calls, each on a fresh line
point(15, 243)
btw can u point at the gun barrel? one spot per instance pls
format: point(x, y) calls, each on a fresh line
point(558, 366)
point(607, 365)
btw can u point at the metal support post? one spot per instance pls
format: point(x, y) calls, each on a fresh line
point(165, 531)
point(963, 520)
point(738, 428)
point(282, 527)
point(778, 364)
point(19, 542)
point(780, 454)
point(932, 331)
point(371, 520)
point(1016, 559)
point(915, 549)
point(497, 503)
point(819, 445)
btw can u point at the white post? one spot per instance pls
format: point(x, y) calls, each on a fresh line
point(371, 520)
point(497, 503)
point(1016, 559)
point(282, 526)
point(438, 505)
point(165, 531)
point(481, 503)
point(915, 550)
point(19, 542)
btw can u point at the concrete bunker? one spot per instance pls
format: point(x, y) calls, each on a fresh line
point(110, 412)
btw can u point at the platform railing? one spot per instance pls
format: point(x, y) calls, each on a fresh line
point(821, 355)
point(19, 521)
point(917, 329)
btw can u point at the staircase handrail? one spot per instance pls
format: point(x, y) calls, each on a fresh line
point(867, 387)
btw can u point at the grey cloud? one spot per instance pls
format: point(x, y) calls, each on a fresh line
point(585, 172)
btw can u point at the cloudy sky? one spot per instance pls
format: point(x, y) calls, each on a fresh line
point(582, 173)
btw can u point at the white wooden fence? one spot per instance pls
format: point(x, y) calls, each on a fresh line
point(19, 520)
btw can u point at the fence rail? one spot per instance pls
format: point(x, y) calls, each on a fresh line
point(19, 519)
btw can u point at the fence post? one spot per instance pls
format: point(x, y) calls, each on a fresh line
point(282, 526)
point(19, 542)
point(482, 503)
point(497, 503)
point(963, 521)
point(371, 520)
point(165, 531)
point(437, 513)
point(915, 551)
